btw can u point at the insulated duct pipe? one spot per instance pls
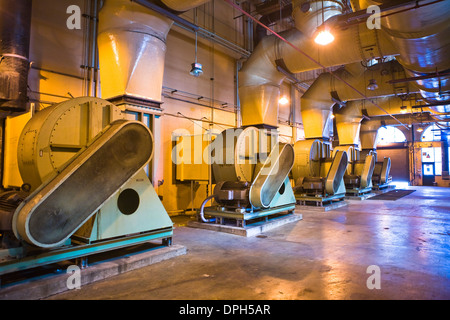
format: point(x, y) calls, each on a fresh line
point(15, 28)
point(421, 37)
point(348, 119)
point(310, 14)
point(369, 134)
point(317, 101)
point(132, 46)
point(360, 119)
point(259, 79)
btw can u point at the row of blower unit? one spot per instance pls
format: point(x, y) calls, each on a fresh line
point(86, 188)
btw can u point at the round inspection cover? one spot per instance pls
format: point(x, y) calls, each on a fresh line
point(128, 201)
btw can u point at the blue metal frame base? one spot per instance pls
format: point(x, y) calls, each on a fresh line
point(80, 251)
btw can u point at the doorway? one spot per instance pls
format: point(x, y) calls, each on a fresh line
point(429, 173)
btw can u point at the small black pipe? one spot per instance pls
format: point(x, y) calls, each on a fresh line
point(15, 29)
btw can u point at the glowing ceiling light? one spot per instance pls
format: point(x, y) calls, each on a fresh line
point(403, 109)
point(372, 85)
point(324, 37)
point(420, 129)
point(283, 100)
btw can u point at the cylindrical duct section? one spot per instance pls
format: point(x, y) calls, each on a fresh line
point(15, 25)
point(317, 101)
point(132, 49)
point(260, 70)
point(309, 15)
point(421, 38)
point(348, 119)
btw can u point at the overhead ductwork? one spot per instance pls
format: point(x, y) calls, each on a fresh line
point(369, 134)
point(358, 122)
point(416, 35)
point(132, 46)
point(421, 38)
point(317, 101)
point(349, 119)
point(15, 28)
point(309, 15)
point(259, 79)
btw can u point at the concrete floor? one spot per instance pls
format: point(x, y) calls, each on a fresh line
point(323, 256)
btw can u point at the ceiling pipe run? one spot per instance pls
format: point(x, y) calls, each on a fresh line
point(422, 43)
point(406, 34)
point(349, 119)
point(132, 47)
point(421, 36)
point(318, 100)
point(259, 79)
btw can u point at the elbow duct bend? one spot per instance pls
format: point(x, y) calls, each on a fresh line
point(421, 38)
point(259, 79)
point(418, 38)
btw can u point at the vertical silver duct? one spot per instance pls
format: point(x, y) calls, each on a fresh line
point(15, 25)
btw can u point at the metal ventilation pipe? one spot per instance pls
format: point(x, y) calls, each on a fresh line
point(259, 79)
point(310, 14)
point(348, 119)
point(132, 46)
point(421, 38)
point(15, 25)
point(317, 101)
point(369, 134)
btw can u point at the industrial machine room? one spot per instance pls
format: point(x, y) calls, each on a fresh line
point(224, 150)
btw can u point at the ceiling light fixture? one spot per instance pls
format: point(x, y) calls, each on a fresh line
point(372, 85)
point(196, 68)
point(283, 100)
point(324, 37)
point(403, 109)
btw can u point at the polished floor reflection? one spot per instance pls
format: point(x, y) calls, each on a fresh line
point(324, 256)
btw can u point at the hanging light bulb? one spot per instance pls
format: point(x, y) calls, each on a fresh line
point(196, 68)
point(283, 100)
point(403, 109)
point(372, 85)
point(324, 37)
